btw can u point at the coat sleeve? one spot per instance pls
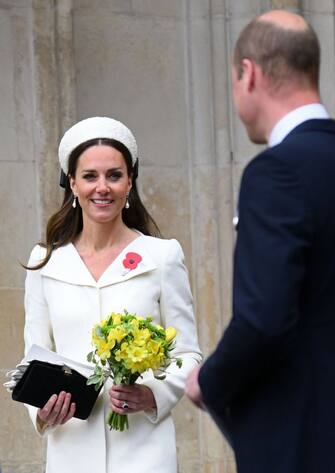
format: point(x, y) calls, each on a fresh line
point(176, 308)
point(37, 328)
point(271, 254)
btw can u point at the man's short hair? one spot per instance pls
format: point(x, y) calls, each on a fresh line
point(283, 54)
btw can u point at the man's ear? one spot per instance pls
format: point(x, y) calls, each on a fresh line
point(249, 74)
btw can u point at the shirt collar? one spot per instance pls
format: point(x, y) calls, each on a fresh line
point(295, 118)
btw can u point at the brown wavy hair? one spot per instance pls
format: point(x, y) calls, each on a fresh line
point(66, 224)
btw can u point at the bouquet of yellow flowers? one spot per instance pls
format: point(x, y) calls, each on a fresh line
point(125, 346)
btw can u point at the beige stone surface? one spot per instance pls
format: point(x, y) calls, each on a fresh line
point(206, 255)
point(199, 443)
point(22, 468)
point(18, 192)
point(114, 6)
point(20, 446)
point(22, 74)
point(135, 74)
point(218, 8)
point(65, 65)
point(226, 239)
point(15, 83)
point(242, 8)
point(47, 107)
point(165, 193)
point(319, 6)
point(172, 8)
point(11, 327)
point(7, 121)
point(285, 4)
point(186, 419)
point(324, 26)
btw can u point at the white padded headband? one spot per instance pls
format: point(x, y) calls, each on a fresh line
point(91, 128)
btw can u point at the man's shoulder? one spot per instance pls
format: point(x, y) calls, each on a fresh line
point(312, 126)
point(312, 139)
point(311, 133)
point(303, 140)
point(306, 151)
point(263, 161)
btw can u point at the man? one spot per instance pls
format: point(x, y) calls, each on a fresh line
point(270, 383)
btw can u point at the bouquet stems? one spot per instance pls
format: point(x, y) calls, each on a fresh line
point(117, 421)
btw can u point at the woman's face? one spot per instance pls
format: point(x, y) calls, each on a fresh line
point(101, 183)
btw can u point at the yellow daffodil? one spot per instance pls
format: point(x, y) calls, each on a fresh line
point(104, 350)
point(170, 334)
point(135, 324)
point(117, 334)
point(117, 318)
point(153, 346)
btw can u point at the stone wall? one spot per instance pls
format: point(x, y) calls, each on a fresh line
point(162, 67)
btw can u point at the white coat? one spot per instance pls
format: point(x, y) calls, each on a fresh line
point(63, 302)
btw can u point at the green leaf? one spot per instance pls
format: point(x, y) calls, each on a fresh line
point(98, 371)
point(99, 333)
point(179, 362)
point(118, 378)
point(98, 385)
point(90, 356)
point(95, 378)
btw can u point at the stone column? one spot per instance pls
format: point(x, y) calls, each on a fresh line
point(20, 217)
point(36, 87)
point(209, 144)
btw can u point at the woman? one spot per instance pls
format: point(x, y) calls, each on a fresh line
point(79, 276)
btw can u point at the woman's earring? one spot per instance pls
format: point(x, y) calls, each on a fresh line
point(127, 202)
point(74, 203)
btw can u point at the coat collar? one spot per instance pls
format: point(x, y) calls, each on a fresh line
point(324, 125)
point(66, 265)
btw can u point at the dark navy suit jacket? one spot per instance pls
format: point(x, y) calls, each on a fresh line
point(271, 380)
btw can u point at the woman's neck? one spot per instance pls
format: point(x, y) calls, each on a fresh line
point(98, 237)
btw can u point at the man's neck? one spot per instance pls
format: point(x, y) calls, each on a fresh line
point(281, 106)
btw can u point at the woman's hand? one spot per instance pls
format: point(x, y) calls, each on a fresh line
point(58, 410)
point(137, 397)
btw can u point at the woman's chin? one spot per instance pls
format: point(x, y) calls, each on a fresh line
point(103, 217)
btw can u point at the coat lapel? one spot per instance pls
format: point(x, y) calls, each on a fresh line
point(120, 271)
point(66, 265)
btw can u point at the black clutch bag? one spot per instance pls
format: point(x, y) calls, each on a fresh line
point(41, 380)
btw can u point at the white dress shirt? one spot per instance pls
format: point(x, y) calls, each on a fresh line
point(295, 118)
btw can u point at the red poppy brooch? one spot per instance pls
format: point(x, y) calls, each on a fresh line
point(132, 260)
